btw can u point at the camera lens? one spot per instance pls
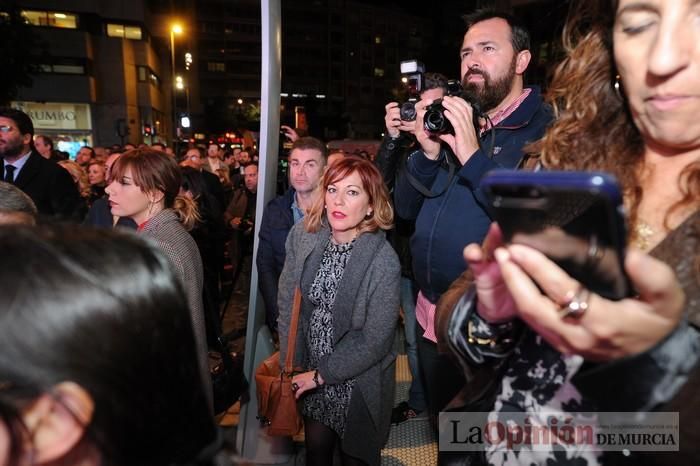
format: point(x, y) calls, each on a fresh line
point(408, 111)
point(434, 120)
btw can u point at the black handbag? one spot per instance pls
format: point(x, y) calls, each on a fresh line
point(227, 378)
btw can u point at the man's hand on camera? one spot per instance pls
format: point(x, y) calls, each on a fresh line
point(394, 123)
point(429, 144)
point(464, 142)
point(392, 119)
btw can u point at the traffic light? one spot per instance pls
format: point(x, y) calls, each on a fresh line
point(147, 129)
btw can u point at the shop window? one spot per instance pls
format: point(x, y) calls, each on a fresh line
point(51, 19)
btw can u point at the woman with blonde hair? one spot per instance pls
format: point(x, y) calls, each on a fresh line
point(145, 186)
point(97, 177)
point(82, 184)
point(349, 278)
point(80, 177)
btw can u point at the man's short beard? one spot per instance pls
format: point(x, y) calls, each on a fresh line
point(489, 94)
point(12, 151)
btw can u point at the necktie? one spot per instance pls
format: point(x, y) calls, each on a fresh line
point(10, 173)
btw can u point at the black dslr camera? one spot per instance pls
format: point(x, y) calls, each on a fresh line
point(435, 122)
point(412, 76)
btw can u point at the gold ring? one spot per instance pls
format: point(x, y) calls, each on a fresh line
point(577, 303)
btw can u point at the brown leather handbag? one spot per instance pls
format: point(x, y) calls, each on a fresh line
point(277, 407)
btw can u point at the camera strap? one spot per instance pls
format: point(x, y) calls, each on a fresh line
point(451, 168)
point(492, 129)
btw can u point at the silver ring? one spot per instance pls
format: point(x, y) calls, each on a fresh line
point(295, 387)
point(576, 305)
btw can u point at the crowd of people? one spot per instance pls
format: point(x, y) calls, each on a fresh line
point(406, 235)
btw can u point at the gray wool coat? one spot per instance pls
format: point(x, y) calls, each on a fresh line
point(166, 231)
point(365, 315)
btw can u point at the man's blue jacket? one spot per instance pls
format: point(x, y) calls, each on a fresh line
point(276, 222)
point(459, 216)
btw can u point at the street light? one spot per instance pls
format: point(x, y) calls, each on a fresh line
point(175, 28)
point(188, 64)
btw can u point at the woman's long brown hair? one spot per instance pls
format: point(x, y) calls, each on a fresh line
point(593, 128)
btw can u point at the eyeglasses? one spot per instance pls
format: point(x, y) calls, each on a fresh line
point(6, 129)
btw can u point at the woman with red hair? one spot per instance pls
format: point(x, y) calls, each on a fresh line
point(349, 278)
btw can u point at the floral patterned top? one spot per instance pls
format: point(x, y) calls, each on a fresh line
point(329, 403)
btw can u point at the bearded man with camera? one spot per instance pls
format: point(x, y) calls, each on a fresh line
point(482, 126)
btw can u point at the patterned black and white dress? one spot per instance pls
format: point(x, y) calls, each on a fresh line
point(329, 403)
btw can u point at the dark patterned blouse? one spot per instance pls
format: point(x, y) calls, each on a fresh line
point(329, 403)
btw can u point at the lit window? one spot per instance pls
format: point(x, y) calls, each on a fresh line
point(378, 73)
point(155, 80)
point(132, 32)
point(51, 19)
point(377, 39)
point(69, 69)
point(216, 66)
point(142, 73)
point(126, 32)
point(115, 30)
point(62, 69)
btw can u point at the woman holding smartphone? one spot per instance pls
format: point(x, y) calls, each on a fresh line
point(349, 277)
point(626, 101)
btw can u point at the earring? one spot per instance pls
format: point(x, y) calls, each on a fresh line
point(369, 214)
point(617, 85)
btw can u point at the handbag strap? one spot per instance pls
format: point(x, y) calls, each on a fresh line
point(292, 337)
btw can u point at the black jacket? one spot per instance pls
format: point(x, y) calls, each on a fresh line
point(391, 158)
point(51, 188)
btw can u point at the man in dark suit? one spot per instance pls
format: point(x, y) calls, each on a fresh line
point(49, 185)
point(194, 158)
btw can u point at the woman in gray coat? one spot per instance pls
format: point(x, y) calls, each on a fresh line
point(144, 185)
point(349, 277)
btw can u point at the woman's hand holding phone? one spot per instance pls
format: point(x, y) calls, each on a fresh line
point(494, 303)
point(607, 329)
point(558, 262)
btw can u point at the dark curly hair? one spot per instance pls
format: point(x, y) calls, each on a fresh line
point(593, 127)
